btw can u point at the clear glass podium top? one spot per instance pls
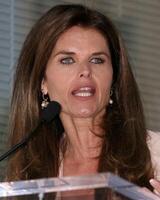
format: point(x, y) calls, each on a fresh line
point(66, 186)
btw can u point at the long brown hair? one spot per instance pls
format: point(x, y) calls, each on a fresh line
point(125, 151)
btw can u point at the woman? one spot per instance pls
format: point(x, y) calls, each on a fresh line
point(74, 55)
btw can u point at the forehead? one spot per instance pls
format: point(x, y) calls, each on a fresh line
point(80, 37)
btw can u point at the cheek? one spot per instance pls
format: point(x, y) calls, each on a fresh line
point(57, 88)
point(105, 86)
point(105, 93)
point(106, 77)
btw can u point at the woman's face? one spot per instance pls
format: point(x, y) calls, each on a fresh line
point(79, 73)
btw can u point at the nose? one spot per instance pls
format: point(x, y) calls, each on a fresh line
point(85, 71)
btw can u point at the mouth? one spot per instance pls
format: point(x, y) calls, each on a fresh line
point(84, 92)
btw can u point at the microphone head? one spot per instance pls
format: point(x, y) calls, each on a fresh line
point(50, 112)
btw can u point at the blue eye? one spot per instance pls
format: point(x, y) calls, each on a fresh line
point(97, 60)
point(67, 61)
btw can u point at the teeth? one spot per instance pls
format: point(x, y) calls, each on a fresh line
point(84, 94)
point(85, 89)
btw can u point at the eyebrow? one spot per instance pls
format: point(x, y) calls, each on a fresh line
point(73, 53)
point(64, 52)
point(101, 53)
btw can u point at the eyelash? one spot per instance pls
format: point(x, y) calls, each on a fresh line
point(70, 60)
point(66, 61)
point(98, 60)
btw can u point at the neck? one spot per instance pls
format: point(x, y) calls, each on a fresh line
point(83, 137)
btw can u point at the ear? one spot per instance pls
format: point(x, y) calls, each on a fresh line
point(44, 88)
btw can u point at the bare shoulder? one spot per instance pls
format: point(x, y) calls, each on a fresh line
point(154, 146)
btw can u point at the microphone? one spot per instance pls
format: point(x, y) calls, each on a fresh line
point(50, 113)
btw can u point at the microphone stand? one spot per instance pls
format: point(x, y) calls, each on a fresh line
point(51, 112)
point(21, 144)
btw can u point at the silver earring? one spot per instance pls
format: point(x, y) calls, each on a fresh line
point(110, 100)
point(45, 101)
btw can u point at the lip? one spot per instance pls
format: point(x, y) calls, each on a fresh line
point(84, 88)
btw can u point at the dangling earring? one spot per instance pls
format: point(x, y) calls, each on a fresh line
point(110, 100)
point(45, 101)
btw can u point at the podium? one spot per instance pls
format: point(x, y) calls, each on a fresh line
point(90, 187)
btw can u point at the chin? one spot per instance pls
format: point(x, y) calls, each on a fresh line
point(84, 113)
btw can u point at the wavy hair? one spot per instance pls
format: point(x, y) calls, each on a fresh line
point(125, 151)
